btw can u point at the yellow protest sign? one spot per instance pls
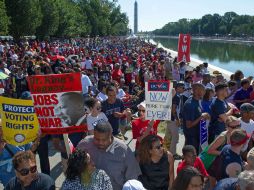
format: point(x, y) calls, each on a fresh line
point(19, 122)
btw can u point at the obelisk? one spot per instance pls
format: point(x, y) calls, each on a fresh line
point(135, 17)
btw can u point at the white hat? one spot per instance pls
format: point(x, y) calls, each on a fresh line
point(143, 104)
point(133, 185)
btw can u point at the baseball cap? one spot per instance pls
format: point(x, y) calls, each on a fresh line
point(247, 107)
point(26, 95)
point(206, 75)
point(216, 72)
point(179, 84)
point(238, 137)
point(133, 185)
point(37, 66)
point(143, 104)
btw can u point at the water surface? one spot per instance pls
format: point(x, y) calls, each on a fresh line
point(227, 55)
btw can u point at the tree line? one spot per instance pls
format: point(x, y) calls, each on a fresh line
point(61, 18)
point(229, 24)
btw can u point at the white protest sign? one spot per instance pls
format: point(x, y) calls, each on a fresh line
point(203, 124)
point(158, 100)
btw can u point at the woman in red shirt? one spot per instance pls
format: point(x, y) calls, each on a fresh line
point(117, 73)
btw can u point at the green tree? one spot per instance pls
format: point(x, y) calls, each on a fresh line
point(228, 19)
point(119, 21)
point(50, 19)
point(207, 26)
point(216, 21)
point(194, 26)
point(25, 17)
point(4, 21)
point(72, 22)
point(104, 17)
point(97, 14)
point(230, 22)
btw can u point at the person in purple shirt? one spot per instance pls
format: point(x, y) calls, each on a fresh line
point(242, 95)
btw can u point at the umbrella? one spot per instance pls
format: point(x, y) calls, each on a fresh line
point(59, 57)
point(3, 76)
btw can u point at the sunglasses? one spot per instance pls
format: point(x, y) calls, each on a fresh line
point(142, 111)
point(234, 126)
point(158, 147)
point(25, 171)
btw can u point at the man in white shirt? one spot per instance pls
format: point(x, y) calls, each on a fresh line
point(14, 57)
point(102, 95)
point(86, 84)
point(207, 81)
point(87, 64)
point(247, 124)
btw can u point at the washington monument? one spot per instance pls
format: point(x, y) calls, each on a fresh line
point(135, 17)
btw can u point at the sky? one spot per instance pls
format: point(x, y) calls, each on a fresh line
point(154, 14)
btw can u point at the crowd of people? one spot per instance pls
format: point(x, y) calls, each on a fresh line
point(113, 75)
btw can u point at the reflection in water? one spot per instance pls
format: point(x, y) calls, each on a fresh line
point(230, 56)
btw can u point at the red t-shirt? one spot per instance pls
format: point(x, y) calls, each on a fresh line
point(252, 96)
point(116, 75)
point(198, 164)
point(139, 127)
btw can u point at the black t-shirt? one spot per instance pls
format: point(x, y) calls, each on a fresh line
point(155, 176)
point(176, 101)
point(44, 182)
point(21, 86)
point(105, 75)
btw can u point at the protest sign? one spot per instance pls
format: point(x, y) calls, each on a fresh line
point(58, 102)
point(203, 125)
point(19, 122)
point(158, 100)
point(184, 48)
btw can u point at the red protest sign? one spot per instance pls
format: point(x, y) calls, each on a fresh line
point(58, 102)
point(184, 48)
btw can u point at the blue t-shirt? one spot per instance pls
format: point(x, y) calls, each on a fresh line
point(226, 184)
point(228, 157)
point(217, 107)
point(206, 106)
point(191, 111)
point(43, 182)
point(109, 110)
point(241, 94)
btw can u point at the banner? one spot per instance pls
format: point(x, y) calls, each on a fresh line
point(184, 48)
point(19, 122)
point(58, 102)
point(158, 96)
point(203, 124)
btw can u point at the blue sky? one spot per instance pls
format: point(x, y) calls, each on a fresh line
point(154, 14)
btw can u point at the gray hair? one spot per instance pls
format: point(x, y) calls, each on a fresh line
point(246, 179)
point(250, 157)
point(103, 127)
